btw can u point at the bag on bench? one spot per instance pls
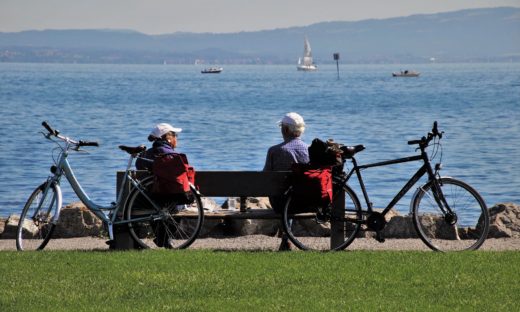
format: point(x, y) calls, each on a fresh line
point(172, 177)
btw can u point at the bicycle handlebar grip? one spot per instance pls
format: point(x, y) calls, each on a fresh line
point(46, 126)
point(413, 142)
point(85, 143)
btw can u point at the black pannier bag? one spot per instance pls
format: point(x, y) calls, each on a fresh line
point(323, 154)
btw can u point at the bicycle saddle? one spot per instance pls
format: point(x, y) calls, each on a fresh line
point(350, 151)
point(133, 150)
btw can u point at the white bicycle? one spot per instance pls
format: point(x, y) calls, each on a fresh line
point(151, 221)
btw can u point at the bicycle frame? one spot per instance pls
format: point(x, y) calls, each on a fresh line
point(424, 169)
point(63, 168)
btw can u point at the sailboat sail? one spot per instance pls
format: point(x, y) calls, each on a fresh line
point(307, 48)
point(306, 63)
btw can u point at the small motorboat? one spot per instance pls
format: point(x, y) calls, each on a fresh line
point(406, 73)
point(212, 70)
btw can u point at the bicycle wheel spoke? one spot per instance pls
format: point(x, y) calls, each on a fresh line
point(172, 224)
point(324, 230)
point(35, 226)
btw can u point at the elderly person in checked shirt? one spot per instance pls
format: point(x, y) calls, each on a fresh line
point(280, 157)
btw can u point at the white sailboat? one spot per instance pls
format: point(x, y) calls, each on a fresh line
point(305, 63)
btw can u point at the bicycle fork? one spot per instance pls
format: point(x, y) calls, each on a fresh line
point(449, 215)
point(55, 202)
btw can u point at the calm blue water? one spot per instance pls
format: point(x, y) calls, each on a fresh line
point(230, 120)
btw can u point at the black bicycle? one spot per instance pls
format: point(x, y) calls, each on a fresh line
point(448, 214)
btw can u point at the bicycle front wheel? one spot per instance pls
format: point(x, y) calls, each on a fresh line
point(462, 225)
point(36, 221)
point(163, 222)
point(332, 231)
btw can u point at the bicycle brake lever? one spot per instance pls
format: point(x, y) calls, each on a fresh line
point(46, 135)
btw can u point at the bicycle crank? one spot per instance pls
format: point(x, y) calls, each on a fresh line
point(376, 221)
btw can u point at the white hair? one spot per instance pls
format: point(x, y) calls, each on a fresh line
point(295, 130)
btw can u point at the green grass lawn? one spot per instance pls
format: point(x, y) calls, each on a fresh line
point(269, 281)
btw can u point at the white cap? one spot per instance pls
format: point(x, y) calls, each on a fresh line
point(161, 129)
point(293, 119)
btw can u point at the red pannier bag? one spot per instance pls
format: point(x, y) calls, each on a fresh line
point(172, 175)
point(312, 188)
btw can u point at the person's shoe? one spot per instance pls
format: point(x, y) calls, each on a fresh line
point(323, 215)
point(111, 244)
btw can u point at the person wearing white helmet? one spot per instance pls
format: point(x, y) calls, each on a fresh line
point(281, 157)
point(164, 137)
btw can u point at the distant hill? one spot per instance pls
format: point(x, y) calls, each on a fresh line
point(460, 36)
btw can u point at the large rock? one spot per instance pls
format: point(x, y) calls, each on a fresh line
point(504, 220)
point(11, 224)
point(210, 227)
point(240, 227)
point(400, 227)
point(3, 221)
point(77, 221)
point(251, 202)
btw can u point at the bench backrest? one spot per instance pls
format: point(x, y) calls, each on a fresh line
point(234, 183)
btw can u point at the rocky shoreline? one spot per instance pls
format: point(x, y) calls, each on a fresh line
point(77, 222)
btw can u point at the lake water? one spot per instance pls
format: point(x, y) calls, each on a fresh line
point(230, 120)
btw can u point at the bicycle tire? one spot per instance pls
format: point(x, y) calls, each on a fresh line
point(36, 222)
point(314, 234)
point(466, 231)
point(166, 226)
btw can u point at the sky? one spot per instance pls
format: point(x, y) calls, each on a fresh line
point(217, 16)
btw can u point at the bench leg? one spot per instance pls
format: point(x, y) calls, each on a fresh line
point(337, 228)
point(122, 238)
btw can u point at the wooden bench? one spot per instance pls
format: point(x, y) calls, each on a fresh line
point(241, 184)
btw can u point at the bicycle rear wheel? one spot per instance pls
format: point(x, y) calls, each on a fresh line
point(465, 229)
point(332, 232)
point(162, 222)
point(36, 221)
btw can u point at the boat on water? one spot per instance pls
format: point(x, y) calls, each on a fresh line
point(305, 63)
point(406, 73)
point(212, 70)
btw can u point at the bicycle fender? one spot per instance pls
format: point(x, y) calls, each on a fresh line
point(59, 200)
point(59, 203)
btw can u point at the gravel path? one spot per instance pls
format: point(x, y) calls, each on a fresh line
point(261, 242)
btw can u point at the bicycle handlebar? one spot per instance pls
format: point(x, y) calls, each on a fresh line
point(49, 128)
point(426, 139)
point(56, 133)
point(86, 143)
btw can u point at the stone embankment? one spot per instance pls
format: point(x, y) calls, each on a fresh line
point(77, 221)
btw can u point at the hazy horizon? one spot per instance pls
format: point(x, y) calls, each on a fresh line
point(202, 16)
